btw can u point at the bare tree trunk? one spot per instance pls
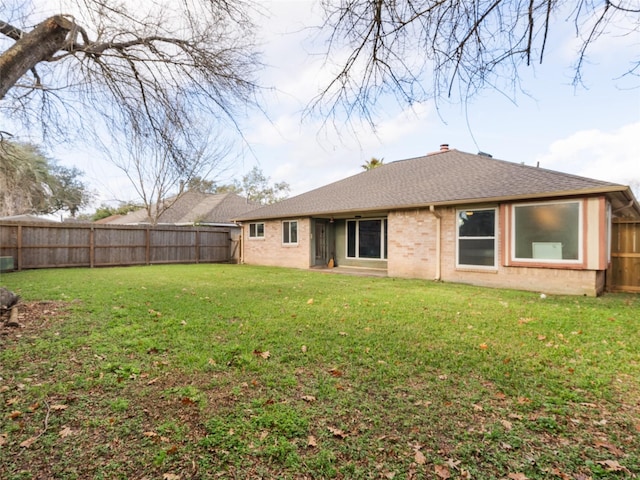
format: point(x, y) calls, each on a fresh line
point(31, 48)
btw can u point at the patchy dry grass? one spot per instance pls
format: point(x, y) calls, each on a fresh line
point(221, 371)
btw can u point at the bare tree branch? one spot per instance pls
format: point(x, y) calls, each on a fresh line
point(109, 64)
point(422, 49)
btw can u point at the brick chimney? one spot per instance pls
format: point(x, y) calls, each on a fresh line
point(444, 147)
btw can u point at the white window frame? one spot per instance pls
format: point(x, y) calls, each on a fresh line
point(496, 223)
point(558, 262)
point(383, 221)
point(287, 224)
point(256, 234)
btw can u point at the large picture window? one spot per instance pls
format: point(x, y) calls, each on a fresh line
point(290, 232)
point(547, 231)
point(476, 238)
point(256, 230)
point(367, 238)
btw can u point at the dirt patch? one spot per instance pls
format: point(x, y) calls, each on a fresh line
point(33, 317)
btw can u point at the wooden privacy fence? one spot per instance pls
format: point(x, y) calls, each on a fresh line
point(50, 245)
point(624, 272)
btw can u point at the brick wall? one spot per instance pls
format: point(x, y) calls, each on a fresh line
point(412, 254)
point(271, 251)
point(411, 244)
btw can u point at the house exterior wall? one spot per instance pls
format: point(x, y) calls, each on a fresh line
point(270, 250)
point(413, 254)
point(414, 251)
point(412, 244)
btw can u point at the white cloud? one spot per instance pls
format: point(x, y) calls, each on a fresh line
point(605, 155)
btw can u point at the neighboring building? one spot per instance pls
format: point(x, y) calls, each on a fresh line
point(450, 216)
point(193, 208)
point(26, 218)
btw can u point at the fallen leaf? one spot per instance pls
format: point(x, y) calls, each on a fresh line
point(506, 424)
point(151, 382)
point(335, 372)
point(390, 475)
point(612, 466)
point(442, 472)
point(28, 442)
point(264, 354)
point(310, 301)
point(311, 441)
point(453, 463)
point(337, 432)
point(558, 473)
point(309, 398)
point(172, 449)
point(170, 476)
point(483, 346)
point(517, 476)
point(420, 458)
point(150, 434)
point(303, 349)
point(59, 407)
point(15, 414)
point(477, 408)
point(3, 439)
point(65, 432)
point(612, 448)
point(264, 434)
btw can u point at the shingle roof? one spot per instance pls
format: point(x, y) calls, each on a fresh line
point(443, 178)
point(194, 207)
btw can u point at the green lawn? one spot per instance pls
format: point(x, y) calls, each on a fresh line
point(227, 371)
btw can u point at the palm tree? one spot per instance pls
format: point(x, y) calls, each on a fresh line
point(373, 163)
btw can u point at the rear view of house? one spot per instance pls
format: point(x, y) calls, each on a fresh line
point(450, 216)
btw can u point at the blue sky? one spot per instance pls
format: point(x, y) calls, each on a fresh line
point(592, 131)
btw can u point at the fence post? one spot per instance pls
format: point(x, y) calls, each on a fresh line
point(147, 254)
point(19, 240)
point(92, 247)
point(197, 252)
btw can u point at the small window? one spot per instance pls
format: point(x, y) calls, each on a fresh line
point(290, 232)
point(477, 238)
point(256, 230)
point(549, 232)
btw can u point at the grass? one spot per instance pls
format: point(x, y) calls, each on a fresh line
point(226, 371)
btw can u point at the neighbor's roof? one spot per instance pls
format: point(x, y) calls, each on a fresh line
point(194, 207)
point(25, 218)
point(449, 177)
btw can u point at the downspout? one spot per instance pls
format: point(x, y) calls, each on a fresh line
point(241, 244)
point(438, 218)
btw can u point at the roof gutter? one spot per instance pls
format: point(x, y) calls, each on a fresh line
point(438, 218)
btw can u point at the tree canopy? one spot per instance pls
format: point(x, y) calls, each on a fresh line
point(31, 183)
point(119, 63)
point(257, 187)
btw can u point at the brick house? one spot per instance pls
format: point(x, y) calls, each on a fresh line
point(449, 216)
